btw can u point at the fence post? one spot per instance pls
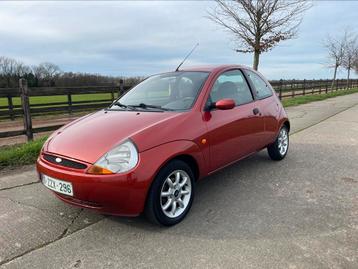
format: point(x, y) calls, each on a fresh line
point(11, 107)
point(320, 86)
point(293, 91)
point(280, 94)
point(24, 90)
point(121, 87)
point(327, 81)
point(112, 94)
point(304, 87)
point(312, 88)
point(69, 99)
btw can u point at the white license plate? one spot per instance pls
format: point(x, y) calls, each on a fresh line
point(57, 185)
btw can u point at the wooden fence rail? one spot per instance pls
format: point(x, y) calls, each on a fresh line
point(15, 109)
point(293, 88)
point(19, 102)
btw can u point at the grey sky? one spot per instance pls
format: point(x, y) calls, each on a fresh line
point(141, 38)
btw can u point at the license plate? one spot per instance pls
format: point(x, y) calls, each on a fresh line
point(57, 185)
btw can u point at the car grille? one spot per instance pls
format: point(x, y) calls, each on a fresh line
point(64, 162)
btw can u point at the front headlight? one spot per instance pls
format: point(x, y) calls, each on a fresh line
point(120, 159)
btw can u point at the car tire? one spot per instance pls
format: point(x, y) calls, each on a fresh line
point(278, 150)
point(171, 194)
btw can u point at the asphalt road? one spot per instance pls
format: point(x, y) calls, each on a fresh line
point(301, 212)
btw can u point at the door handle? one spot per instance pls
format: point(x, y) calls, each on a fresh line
point(256, 111)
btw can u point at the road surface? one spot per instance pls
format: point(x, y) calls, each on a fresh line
point(301, 212)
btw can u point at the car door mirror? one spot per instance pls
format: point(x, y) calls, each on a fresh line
point(225, 104)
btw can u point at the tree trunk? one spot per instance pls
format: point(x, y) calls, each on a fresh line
point(334, 76)
point(256, 60)
point(349, 72)
point(8, 81)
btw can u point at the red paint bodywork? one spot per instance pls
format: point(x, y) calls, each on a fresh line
point(230, 135)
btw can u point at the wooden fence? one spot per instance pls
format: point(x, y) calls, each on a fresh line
point(25, 110)
point(293, 88)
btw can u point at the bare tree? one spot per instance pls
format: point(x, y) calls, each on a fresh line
point(7, 69)
point(336, 51)
point(350, 53)
point(259, 25)
point(355, 63)
point(21, 70)
point(11, 70)
point(47, 72)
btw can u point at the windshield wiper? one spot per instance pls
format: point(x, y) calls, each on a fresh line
point(146, 106)
point(123, 105)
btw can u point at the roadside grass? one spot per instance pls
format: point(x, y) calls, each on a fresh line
point(300, 100)
point(22, 154)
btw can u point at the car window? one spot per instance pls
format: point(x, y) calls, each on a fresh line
point(262, 89)
point(232, 85)
point(173, 91)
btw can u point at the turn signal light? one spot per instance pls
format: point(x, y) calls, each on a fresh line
point(97, 170)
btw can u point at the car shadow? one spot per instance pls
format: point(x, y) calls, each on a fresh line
point(227, 180)
point(257, 198)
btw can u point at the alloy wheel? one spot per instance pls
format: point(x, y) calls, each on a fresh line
point(175, 194)
point(283, 141)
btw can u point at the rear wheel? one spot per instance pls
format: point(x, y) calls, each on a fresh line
point(171, 194)
point(278, 150)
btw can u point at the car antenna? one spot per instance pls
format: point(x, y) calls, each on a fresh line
point(186, 57)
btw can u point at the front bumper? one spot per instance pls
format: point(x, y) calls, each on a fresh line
point(118, 194)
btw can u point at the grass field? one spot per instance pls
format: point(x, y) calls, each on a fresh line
point(59, 98)
point(316, 97)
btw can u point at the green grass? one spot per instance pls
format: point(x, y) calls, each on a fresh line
point(21, 154)
point(59, 98)
point(316, 97)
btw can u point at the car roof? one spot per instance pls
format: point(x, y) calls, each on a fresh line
point(212, 68)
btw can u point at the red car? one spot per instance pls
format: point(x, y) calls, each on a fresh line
point(145, 152)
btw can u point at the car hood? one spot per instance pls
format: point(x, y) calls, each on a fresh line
point(90, 137)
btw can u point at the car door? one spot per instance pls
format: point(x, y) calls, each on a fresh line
point(267, 103)
point(234, 133)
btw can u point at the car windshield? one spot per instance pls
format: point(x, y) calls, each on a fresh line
point(169, 91)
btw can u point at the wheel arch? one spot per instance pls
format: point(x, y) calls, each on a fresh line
point(189, 153)
point(189, 160)
point(287, 124)
point(185, 157)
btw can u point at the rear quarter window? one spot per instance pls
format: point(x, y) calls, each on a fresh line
point(261, 88)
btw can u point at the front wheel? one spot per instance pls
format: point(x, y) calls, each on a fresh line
point(278, 150)
point(171, 194)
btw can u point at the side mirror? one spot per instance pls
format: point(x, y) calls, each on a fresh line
point(225, 104)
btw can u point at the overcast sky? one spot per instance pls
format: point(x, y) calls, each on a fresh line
point(142, 38)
